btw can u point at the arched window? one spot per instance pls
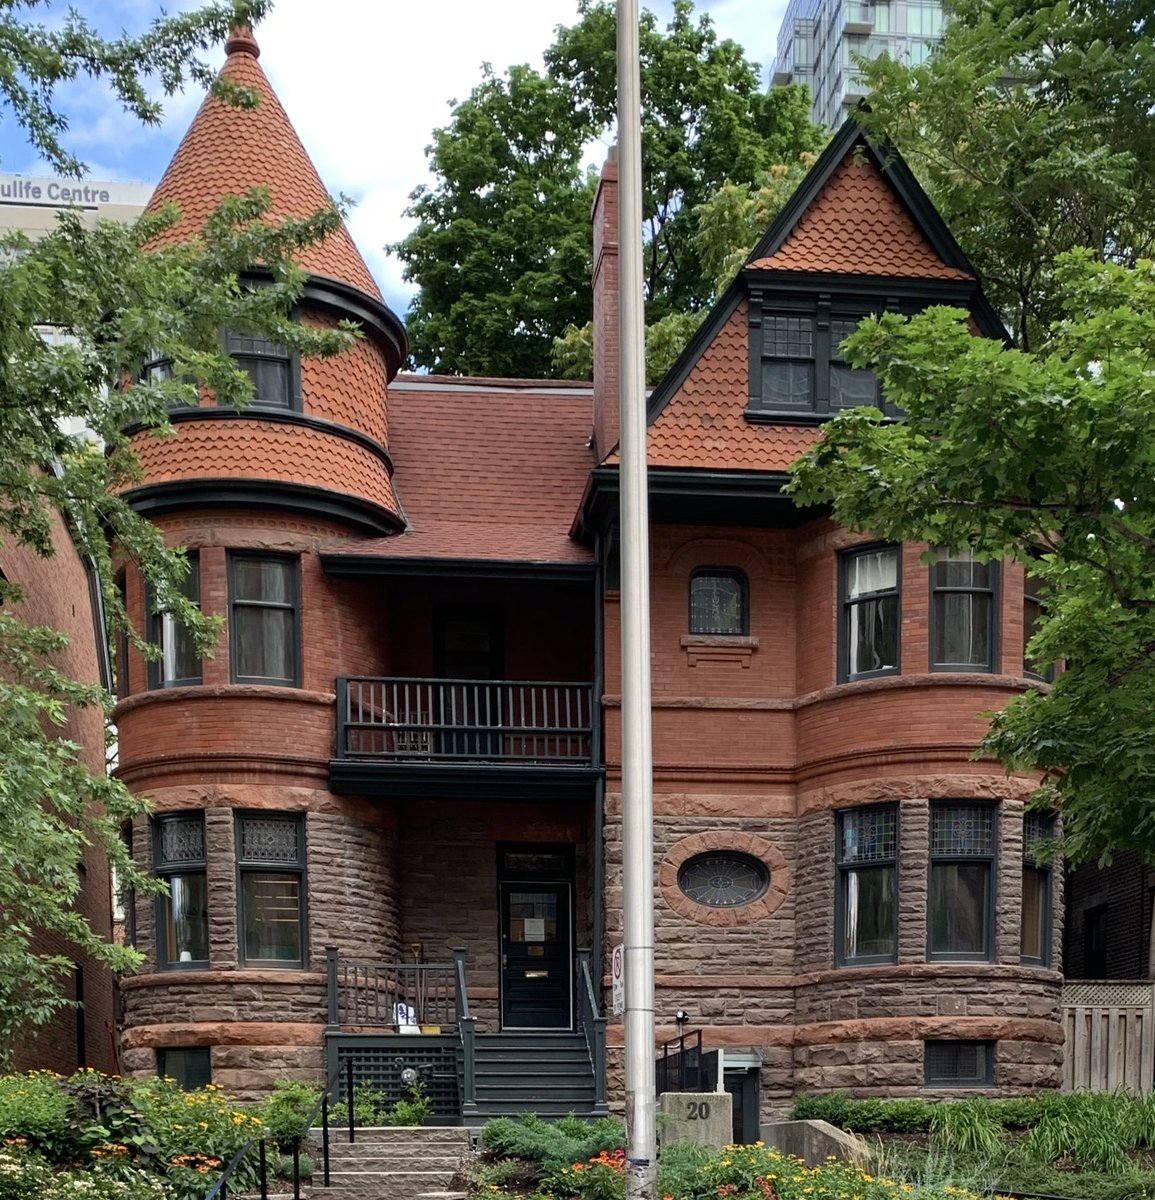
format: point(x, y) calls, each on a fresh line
point(719, 601)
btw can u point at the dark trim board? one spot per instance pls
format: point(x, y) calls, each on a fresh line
point(466, 781)
point(179, 495)
point(354, 565)
point(691, 496)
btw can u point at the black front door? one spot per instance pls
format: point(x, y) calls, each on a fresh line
point(536, 955)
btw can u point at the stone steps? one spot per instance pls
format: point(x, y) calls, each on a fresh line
point(407, 1163)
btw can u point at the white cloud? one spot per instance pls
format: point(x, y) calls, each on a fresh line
point(365, 82)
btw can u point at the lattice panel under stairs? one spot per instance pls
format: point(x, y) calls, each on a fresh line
point(1109, 993)
point(378, 1063)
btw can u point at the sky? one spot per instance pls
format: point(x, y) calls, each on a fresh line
point(365, 82)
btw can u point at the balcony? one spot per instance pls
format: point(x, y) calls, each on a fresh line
point(464, 738)
point(858, 19)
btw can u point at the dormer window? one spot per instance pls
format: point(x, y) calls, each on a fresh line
point(796, 365)
point(271, 367)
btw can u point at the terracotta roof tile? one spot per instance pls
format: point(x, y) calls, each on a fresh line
point(227, 150)
point(857, 225)
point(486, 471)
point(349, 388)
point(248, 447)
point(704, 424)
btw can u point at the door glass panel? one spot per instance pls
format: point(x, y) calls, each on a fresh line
point(533, 917)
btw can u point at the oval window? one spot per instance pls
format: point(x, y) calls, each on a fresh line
point(723, 879)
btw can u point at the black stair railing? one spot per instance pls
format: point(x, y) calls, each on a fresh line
point(679, 1065)
point(392, 994)
point(260, 1145)
point(467, 1032)
point(593, 1026)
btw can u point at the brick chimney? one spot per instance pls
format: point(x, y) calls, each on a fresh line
point(607, 357)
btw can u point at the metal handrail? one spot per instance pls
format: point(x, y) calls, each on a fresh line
point(689, 1043)
point(593, 1025)
point(220, 1187)
point(364, 993)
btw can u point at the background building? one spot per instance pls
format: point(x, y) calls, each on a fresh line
point(819, 41)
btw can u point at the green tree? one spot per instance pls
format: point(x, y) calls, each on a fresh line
point(1031, 130)
point(501, 250)
point(120, 304)
point(1047, 456)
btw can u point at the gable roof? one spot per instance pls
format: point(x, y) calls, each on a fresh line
point(227, 150)
point(858, 214)
point(860, 193)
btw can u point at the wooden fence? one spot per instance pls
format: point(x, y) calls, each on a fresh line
point(1110, 1035)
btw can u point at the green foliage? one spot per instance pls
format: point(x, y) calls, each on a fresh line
point(1044, 456)
point(412, 1108)
point(552, 1146)
point(865, 1116)
point(285, 1112)
point(37, 57)
point(501, 251)
point(33, 1107)
point(23, 1175)
point(1031, 130)
point(966, 1125)
point(120, 306)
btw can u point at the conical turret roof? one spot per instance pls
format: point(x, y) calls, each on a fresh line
point(229, 149)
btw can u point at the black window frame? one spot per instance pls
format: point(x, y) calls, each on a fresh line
point(940, 858)
point(293, 606)
point(992, 591)
point(1038, 827)
point(846, 602)
point(933, 1079)
point(163, 1063)
point(1034, 599)
point(739, 577)
point(252, 865)
point(155, 625)
point(844, 867)
point(248, 347)
point(765, 341)
point(122, 644)
point(165, 870)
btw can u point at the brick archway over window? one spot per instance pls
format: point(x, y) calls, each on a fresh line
point(725, 843)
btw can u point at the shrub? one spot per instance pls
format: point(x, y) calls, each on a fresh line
point(602, 1177)
point(369, 1107)
point(34, 1107)
point(287, 1109)
point(412, 1108)
point(966, 1125)
point(23, 1174)
point(552, 1147)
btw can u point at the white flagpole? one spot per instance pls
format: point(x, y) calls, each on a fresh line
point(637, 749)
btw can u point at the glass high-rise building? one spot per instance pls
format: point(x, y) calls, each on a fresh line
point(820, 42)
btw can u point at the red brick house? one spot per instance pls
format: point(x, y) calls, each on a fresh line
point(388, 810)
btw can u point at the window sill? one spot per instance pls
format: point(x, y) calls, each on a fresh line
point(718, 648)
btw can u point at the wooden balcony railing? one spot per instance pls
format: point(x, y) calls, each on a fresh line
point(510, 722)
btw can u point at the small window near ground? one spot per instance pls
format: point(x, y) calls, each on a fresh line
point(190, 1066)
point(718, 601)
point(959, 1064)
